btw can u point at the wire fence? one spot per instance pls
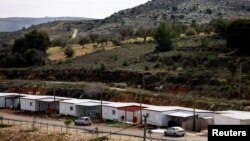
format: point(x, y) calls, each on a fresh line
point(91, 133)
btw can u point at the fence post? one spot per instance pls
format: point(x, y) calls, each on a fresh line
point(47, 127)
point(61, 128)
point(110, 134)
point(54, 127)
point(8, 122)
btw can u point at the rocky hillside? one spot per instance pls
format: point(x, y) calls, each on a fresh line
point(14, 24)
point(150, 14)
point(185, 11)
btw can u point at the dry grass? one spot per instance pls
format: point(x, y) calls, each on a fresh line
point(57, 53)
point(19, 133)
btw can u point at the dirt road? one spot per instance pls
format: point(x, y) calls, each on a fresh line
point(74, 34)
point(129, 131)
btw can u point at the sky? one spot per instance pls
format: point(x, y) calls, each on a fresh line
point(63, 8)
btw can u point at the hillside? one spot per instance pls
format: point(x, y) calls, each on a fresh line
point(150, 14)
point(14, 24)
point(185, 11)
point(199, 67)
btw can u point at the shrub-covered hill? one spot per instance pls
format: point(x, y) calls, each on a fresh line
point(204, 69)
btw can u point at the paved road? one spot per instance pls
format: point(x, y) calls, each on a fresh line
point(130, 131)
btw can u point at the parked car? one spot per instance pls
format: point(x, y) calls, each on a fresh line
point(175, 131)
point(83, 121)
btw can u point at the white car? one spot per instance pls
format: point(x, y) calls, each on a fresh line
point(83, 121)
point(175, 131)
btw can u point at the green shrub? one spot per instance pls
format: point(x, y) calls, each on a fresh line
point(125, 63)
point(190, 31)
point(165, 36)
point(209, 11)
point(238, 35)
point(220, 27)
point(69, 52)
point(205, 42)
point(102, 67)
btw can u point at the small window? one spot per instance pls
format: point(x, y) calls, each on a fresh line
point(147, 114)
point(113, 112)
point(71, 108)
point(31, 103)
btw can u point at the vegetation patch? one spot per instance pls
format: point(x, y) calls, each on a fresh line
point(4, 125)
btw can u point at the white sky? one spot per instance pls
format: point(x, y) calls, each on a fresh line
point(59, 8)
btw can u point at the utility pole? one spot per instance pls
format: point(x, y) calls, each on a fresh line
point(101, 105)
point(143, 85)
point(240, 78)
point(54, 101)
point(140, 107)
point(194, 124)
point(19, 98)
point(145, 128)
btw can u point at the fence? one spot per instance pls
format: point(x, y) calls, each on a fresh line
point(91, 133)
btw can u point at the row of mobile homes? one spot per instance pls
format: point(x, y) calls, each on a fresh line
point(47, 104)
point(232, 118)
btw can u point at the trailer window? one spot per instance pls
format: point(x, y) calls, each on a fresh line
point(113, 112)
point(71, 108)
point(31, 103)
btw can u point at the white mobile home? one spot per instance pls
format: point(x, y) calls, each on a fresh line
point(68, 107)
point(165, 115)
point(156, 116)
point(31, 103)
point(88, 108)
point(122, 112)
point(50, 105)
point(10, 100)
point(232, 118)
point(80, 107)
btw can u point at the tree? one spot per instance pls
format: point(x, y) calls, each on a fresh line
point(38, 40)
point(61, 41)
point(84, 40)
point(67, 122)
point(165, 36)
point(34, 57)
point(238, 35)
point(126, 32)
point(20, 45)
point(144, 32)
point(34, 40)
point(16, 60)
point(93, 37)
point(69, 52)
point(220, 27)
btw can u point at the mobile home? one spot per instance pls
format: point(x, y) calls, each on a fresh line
point(232, 118)
point(31, 103)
